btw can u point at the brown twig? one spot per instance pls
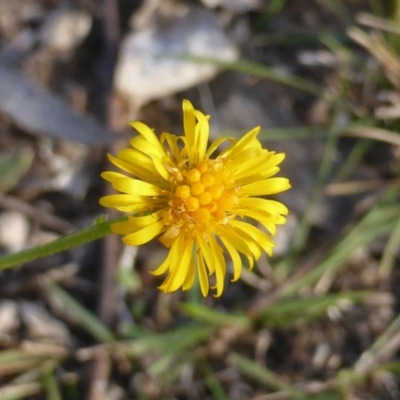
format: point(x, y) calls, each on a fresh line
point(46, 219)
point(109, 22)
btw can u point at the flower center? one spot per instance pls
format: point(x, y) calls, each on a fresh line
point(202, 194)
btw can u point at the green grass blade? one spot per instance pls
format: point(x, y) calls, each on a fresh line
point(97, 231)
point(13, 167)
point(50, 386)
point(260, 71)
point(390, 253)
point(216, 389)
point(263, 375)
point(75, 311)
point(205, 314)
point(289, 311)
point(378, 222)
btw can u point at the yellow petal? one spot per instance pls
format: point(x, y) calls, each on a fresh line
point(208, 255)
point(202, 133)
point(144, 235)
point(214, 145)
point(124, 227)
point(271, 206)
point(131, 203)
point(163, 268)
point(136, 208)
point(260, 166)
point(191, 274)
point(254, 234)
point(172, 142)
point(227, 233)
point(146, 132)
point(257, 175)
point(218, 254)
point(141, 144)
point(160, 168)
point(251, 263)
point(263, 217)
point(247, 154)
point(269, 186)
point(140, 165)
point(265, 161)
point(136, 187)
point(189, 122)
point(125, 166)
point(220, 266)
point(121, 200)
point(170, 235)
point(248, 140)
point(246, 239)
point(135, 223)
point(136, 159)
point(111, 176)
point(181, 253)
point(203, 277)
point(236, 260)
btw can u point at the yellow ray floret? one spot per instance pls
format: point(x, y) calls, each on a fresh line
point(195, 202)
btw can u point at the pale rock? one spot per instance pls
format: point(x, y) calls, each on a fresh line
point(9, 321)
point(40, 325)
point(64, 29)
point(284, 235)
point(237, 6)
point(38, 111)
point(14, 230)
point(149, 66)
point(15, 13)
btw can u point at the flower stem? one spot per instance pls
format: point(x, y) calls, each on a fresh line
point(100, 229)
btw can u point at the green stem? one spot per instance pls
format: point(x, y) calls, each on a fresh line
point(97, 231)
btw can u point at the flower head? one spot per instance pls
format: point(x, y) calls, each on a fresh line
point(198, 202)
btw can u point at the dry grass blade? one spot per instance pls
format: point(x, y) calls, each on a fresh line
point(380, 134)
point(381, 351)
point(390, 252)
point(307, 388)
point(373, 21)
point(14, 392)
point(380, 49)
point(354, 187)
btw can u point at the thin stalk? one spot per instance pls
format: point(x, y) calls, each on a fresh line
point(97, 231)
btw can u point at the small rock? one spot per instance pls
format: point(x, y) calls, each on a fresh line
point(42, 237)
point(147, 70)
point(64, 29)
point(241, 106)
point(284, 235)
point(15, 13)
point(41, 325)
point(66, 168)
point(9, 320)
point(39, 111)
point(14, 230)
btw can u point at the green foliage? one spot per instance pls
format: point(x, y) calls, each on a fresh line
point(13, 167)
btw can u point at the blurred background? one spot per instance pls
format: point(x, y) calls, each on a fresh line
point(318, 320)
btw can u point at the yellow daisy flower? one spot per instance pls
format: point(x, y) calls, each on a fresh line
point(199, 204)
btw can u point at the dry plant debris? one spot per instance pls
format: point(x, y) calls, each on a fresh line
point(320, 319)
